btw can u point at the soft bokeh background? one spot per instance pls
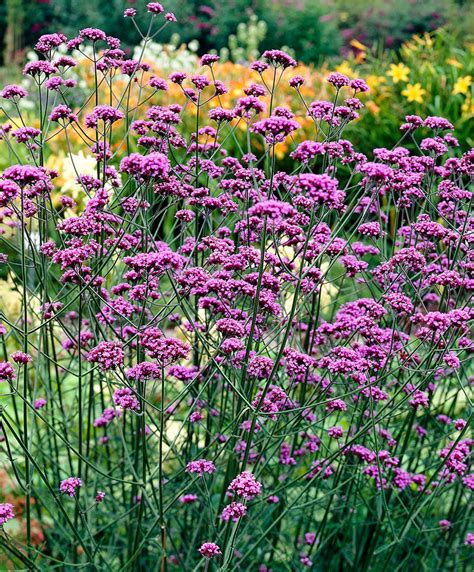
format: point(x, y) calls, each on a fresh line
point(325, 28)
point(416, 55)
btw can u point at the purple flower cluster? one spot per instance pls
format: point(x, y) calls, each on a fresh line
point(108, 355)
point(6, 513)
point(70, 486)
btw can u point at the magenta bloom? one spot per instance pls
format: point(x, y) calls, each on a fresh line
point(9, 191)
point(39, 68)
point(200, 467)
point(279, 58)
point(335, 432)
point(7, 372)
point(40, 403)
point(338, 80)
point(14, 92)
point(209, 550)
point(296, 81)
point(209, 59)
point(126, 399)
point(154, 165)
point(444, 525)
point(246, 486)
point(70, 486)
point(104, 113)
point(62, 112)
point(21, 358)
point(233, 512)
point(6, 513)
point(155, 8)
point(108, 355)
point(188, 499)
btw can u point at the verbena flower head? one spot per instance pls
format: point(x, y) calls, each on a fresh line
point(6, 513)
point(108, 355)
point(200, 467)
point(279, 58)
point(155, 8)
point(246, 486)
point(209, 550)
point(40, 68)
point(14, 92)
point(70, 486)
point(105, 113)
point(338, 80)
point(234, 512)
point(48, 42)
point(7, 371)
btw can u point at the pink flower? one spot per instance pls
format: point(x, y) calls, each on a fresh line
point(234, 512)
point(335, 432)
point(209, 550)
point(21, 358)
point(154, 7)
point(200, 467)
point(6, 513)
point(445, 525)
point(40, 403)
point(108, 355)
point(246, 486)
point(70, 486)
point(125, 398)
point(7, 373)
point(188, 499)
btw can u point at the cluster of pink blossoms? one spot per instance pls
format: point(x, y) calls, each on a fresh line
point(6, 513)
point(70, 486)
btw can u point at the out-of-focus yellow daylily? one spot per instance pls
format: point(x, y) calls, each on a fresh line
point(358, 45)
point(373, 107)
point(374, 81)
point(468, 106)
point(281, 149)
point(414, 92)
point(453, 62)
point(11, 298)
point(345, 69)
point(426, 40)
point(361, 52)
point(398, 72)
point(462, 85)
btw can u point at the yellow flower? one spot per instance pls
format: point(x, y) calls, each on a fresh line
point(428, 40)
point(454, 62)
point(358, 45)
point(373, 107)
point(462, 85)
point(468, 106)
point(345, 69)
point(398, 72)
point(11, 299)
point(414, 92)
point(374, 81)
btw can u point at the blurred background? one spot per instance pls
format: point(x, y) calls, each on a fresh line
point(416, 55)
point(314, 29)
